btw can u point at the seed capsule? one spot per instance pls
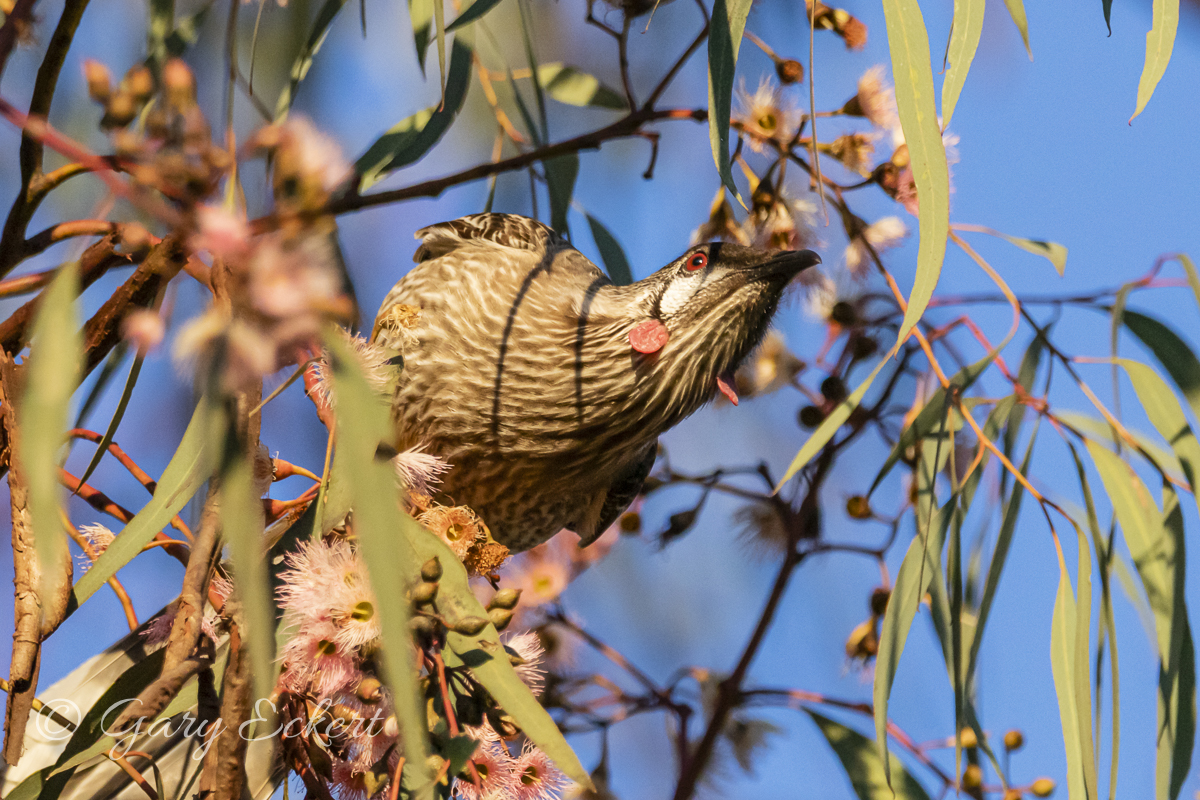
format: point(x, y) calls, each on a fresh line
point(500, 617)
point(424, 593)
point(1014, 740)
point(470, 626)
point(431, 570)
point(505, 598)
point(789, 70)
point(858, 507)
point(1042, 787)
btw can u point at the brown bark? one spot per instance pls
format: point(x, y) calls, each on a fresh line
point(224, 773)
point(27, 606)
point(103, 331)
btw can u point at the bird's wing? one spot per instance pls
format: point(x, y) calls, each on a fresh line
point(509, 230)
point(623, 491)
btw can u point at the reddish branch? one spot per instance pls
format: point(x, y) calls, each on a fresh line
point(629, 125)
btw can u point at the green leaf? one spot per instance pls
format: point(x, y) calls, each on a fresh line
point(1189, 269)
point(560, 180)
point(1064, 665)
point(912, 581)
point(1105, 557)
point(186, 32)
point(1171, 351)
point(439, 25)
point(363, 422)
point(1008, 525)
point(1165, 414)
point(930, 417)
point(411, 138)
point(573, 87)
point(724, 41)
point(615, 263)
point(304, 59)
point(909, 45)
point(158, 28)
point(42, 412)
point(420, 14)
point(484, 654)
point(473, 12)
point(242, 528)
point(825, 431)
point(1097, 428)
point(188, 469)
point(1016, 10)
point(964, 40)
point(1160, 41)
point(111, 431)
point(1107, 6)
point(527, 37)
point(863, 765)
point(1156, 543)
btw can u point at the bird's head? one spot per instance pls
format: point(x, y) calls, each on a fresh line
point(702, 314)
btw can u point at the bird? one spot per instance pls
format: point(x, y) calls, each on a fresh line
point(544, 385)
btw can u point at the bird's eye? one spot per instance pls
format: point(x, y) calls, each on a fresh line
point(698, 261)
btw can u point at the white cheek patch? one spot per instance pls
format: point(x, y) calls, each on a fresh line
point(680, 293)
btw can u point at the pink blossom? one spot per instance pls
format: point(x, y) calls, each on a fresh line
point(528, 647)
point(143, 329)
point(224, 235)
point(494, 766)
point(536, 776)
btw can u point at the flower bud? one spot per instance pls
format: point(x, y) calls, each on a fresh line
point(369, 690)
point(789, 70)
point(431, 570)
point(863, 642)
point(834, 389)
point(810, 416)
point(1042, 787)
point(423, 626)
point(470, 626)
point(424, 593)
point(972, 778)
point(120, 111)
point(139, 82)
point(630, 522)
point(505, 598)
point(99, 80)
point(879, 600)
point(500, 617)
point(858, 507)
point(1014, 740)
point(843, 314)
point(179, 83)
point(1012, 794)
point(967, 738)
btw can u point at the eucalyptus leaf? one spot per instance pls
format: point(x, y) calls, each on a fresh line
point(187, 470)
point(1160, 41)
point(724, 41)
point(304, 59)
point(965, 33)
point(576, 88)
point(611, 253)
point(864, 767)
point(362, 424)
point(410, 139)
point(913, 75)
point(51, 377)
point(561, 173)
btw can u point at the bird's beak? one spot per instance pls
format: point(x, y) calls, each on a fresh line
point(790, 263)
